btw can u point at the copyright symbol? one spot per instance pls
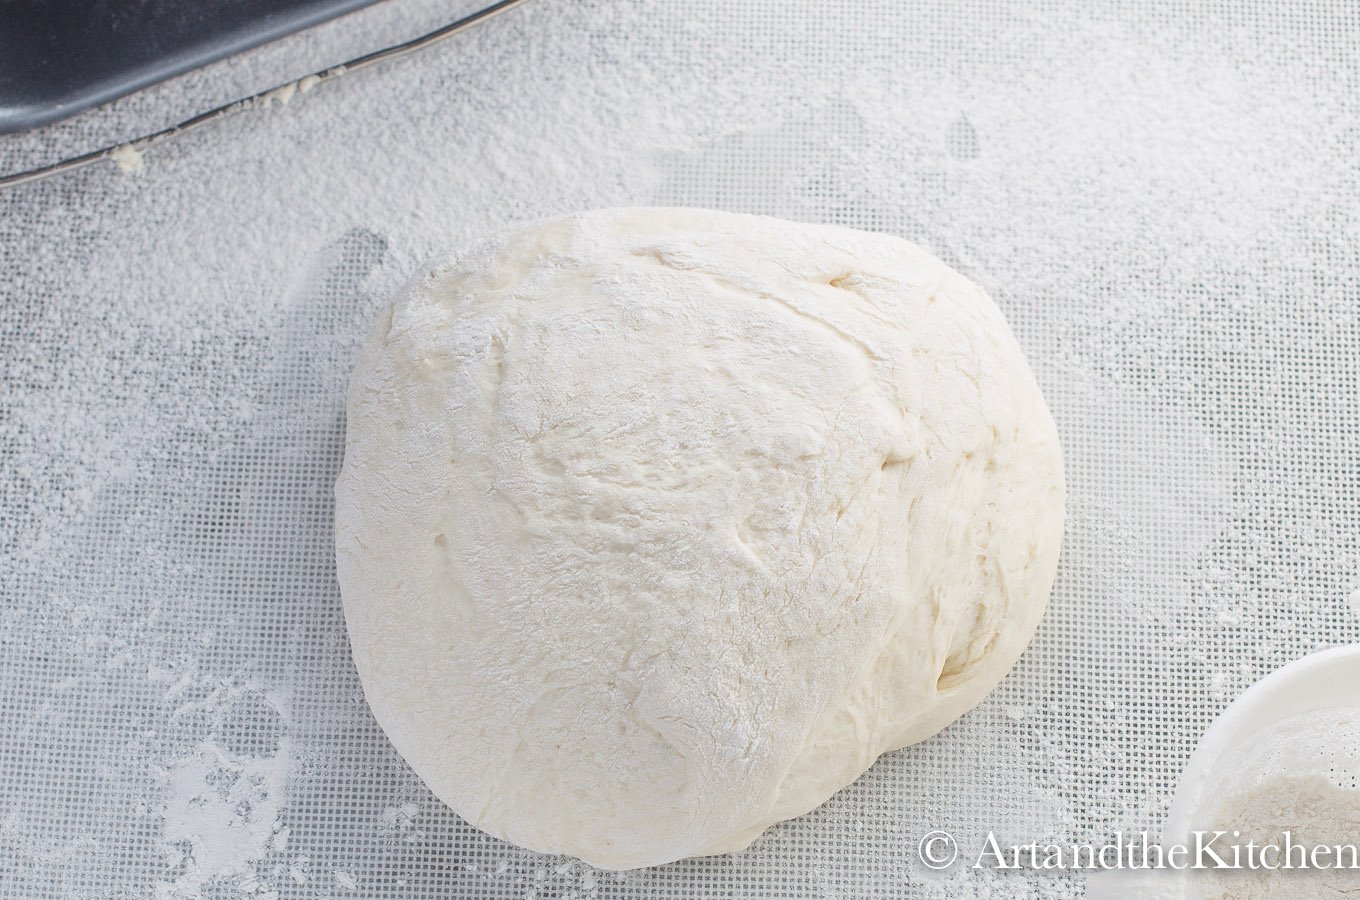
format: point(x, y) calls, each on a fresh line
point(938, 850)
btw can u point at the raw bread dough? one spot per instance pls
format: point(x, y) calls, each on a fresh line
point(659, 526)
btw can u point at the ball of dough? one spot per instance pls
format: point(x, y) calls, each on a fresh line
point(659, 526)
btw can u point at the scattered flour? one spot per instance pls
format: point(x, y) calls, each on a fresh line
point(1164, 201)
point(221, 818)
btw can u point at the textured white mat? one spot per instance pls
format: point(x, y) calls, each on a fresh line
point(1165, 200)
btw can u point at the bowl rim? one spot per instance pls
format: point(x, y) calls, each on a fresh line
point(1327, 679)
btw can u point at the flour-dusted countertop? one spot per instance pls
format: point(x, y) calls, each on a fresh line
point(1165, 205)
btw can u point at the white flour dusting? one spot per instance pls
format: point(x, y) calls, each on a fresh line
point(1162, 199)
point(1314, 812)
point(1294, 783)
point(221, 819)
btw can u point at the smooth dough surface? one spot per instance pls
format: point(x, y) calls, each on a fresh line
point(659, 526)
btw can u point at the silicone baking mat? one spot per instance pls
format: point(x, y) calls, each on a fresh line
point(1164, 199)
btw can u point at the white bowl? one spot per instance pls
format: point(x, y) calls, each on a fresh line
point(1326, 680)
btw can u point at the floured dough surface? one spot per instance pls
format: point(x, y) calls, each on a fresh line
point(658, 526)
